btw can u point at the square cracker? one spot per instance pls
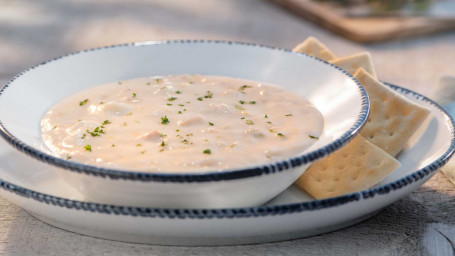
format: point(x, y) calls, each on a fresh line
point(353, 62)
point(357, 166)
point(393, 118)
point(313, 47)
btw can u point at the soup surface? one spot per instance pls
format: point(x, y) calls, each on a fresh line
point(182, 123)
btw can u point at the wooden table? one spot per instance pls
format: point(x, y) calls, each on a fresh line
point(34, 31)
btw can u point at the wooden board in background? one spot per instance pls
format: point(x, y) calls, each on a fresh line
point(366, 30)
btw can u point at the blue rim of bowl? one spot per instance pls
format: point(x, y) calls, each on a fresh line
point(248, 212)
point(240, 173)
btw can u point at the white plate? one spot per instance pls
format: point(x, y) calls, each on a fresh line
point(291, 215)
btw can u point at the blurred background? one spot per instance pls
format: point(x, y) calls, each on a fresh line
point(412, 42)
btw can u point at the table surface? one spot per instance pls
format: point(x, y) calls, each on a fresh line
point(34, 31)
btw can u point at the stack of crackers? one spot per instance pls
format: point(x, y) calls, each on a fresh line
point(370, 156)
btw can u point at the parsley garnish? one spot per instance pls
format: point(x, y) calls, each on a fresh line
point(266, 116)
point(239, 107)
point(269, 122)
point(199, 98)
point(211, 124)
point(164, 120)
point(88, 148)
point(242, 117)
point(249, 122)
point(178, 92)
point(243, 87)
point(113, 145)
point(82, 103)
point(181, 105)
point(134, 95)
point(139, 145)
point(106, 122)
point(169, 104)
point(148, 83)
point(172, 99)
point(163, 143)
point(209, 95)
point(252, 102)
point(180, 112)
point(313, 137)
point(288, 115)
point(158, 80)
point(242, 102)
point(280, 134)
point(119, 82)
point(68, 157)
point(207, 151)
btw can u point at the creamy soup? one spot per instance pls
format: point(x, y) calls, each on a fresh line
point(182, 123)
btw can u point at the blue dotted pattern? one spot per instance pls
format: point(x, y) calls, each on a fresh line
point(251, 211)
point(203, 177)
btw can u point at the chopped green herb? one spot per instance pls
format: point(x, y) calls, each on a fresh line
point(190, 82)
point(169, 104)
point(288, 115)
point(82, 103)
point(129, 114)
point(180, 112)
point(199, 98)
point(139, 145)
point(162, 135)
point(106, 122)
point(134, 95)
point(185, 141)
point(142, 151)
point(252, 102)
point(207, 151)
point(158, 80)
point(242, 117)
point(148, 83)
point(96, 129)
point(177, 130)
point(280, 134)
point(101, 103)
point(313, 137)
point(119, 82)
point(242, 102)
point(161, 150)
point(181, 105)
point(209, 95)
point(164, 120)
point(272, 131)
point(113, 145)
point(184, 109)
point(239, 107)
point(83, 136)
point(249, 122)
point(55, 127)
point(243, 87)
point(124, 124)
point(211, 124)
point(266, 116)
point(172, 99)
point(269, 122)
point(163, 143)
point(68, 157)
point(178, 92)
point(189, 134)
point(88, 148)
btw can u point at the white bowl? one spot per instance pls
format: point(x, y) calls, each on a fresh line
point(338, 96)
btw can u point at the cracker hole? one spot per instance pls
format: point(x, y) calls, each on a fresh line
point(337, 178)
point(371, 136)
point(354, 178)
point(391, 133)
point(364, 153)
point(318, 180)
point(384, 99)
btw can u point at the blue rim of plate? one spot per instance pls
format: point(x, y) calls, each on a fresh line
point(248, 212)
point(241, 173)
